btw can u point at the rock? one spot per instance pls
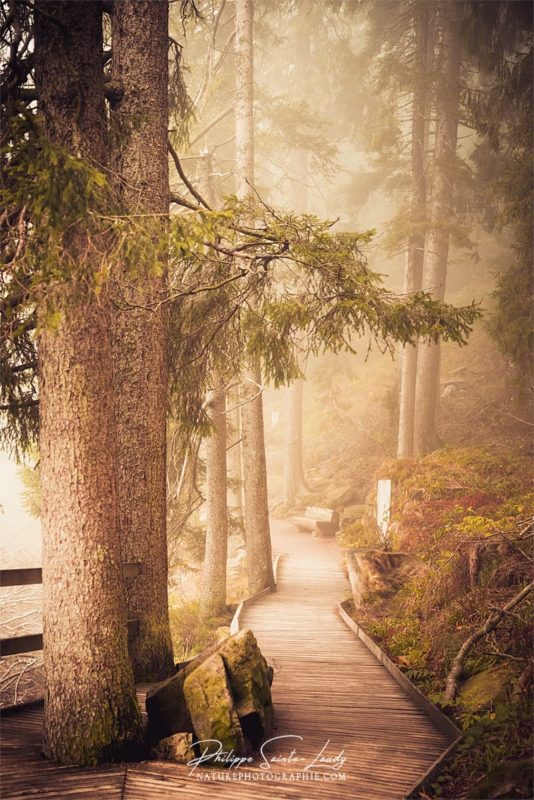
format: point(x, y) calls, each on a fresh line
point(178, 747)
point(211, 706)
point(377, 573)
point(222, 633)
point(250, 680)
point(237, 561)
point(167, 709)
point(484, 687)
point(166, 705)
point(342, 496)
point(353, 513)
point(511, 779)
point(235, 544)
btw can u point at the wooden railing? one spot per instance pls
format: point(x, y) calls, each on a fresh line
point(32, 576)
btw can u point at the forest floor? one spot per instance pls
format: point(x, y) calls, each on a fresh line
point(465, 516)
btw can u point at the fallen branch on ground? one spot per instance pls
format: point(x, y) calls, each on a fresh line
point(451, 686)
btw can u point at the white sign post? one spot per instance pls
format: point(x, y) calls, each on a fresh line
point(383, 507)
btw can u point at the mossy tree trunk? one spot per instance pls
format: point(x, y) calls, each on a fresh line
point(91, 711)
point(415, 254)
point(435, 271)
point(140, 76)
point(258, 535)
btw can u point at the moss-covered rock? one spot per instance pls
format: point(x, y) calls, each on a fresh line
point(178, 747)
point(166, 705)
point(484, 687)
point(211, 706)
point(510, 780)
point(250, 681)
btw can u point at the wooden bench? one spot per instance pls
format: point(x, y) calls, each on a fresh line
point(319, 521)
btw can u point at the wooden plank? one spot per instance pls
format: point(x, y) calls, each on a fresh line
point(21, 577)
point(328, 686)
point(21, 644)
point(31, 642)
point(27, 576)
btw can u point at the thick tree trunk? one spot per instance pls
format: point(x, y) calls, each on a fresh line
point(258, 536)
point(415, 254)
point(435, 273)
point(140, 71)
point(213, 598)
point(91, 711)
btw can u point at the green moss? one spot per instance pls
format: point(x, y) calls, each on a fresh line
point(211, 705)
point(361, 534)
point(248, 675)
point(509, 780)
point(484, 688)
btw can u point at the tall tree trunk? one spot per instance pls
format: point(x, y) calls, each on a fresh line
point(435, 274)
point(91, 711)
point(235, 476)
point(413, 272)
point(294, 481)
point(213, 598)
point(140, 72)
point(258, 535)
point(293, 466)
point(213, 595)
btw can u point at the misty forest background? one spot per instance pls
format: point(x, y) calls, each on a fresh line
point(392, 341)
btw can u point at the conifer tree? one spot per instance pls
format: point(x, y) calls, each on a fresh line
point(258, 537)
point(91, 711)
point(140, 328)
point(435, 270)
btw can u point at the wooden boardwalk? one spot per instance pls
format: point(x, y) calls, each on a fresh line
point(328, 689)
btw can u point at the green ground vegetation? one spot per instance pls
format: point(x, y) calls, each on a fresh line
point(465, 514)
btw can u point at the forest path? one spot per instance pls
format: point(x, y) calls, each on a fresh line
point(328, 689)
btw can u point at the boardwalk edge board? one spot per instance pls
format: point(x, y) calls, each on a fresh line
point(235, 623)
point(446, 726)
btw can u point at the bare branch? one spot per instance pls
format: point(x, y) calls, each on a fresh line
point(451, 687)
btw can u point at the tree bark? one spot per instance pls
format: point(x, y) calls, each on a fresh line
point(415, 253)
point(213, 598)
point(294, 481)
point(91, 711)
point(258, 536)
point(235, 476)
point(140, 69)
point(435, 273)
point(293, 466)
